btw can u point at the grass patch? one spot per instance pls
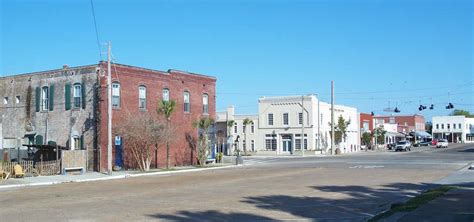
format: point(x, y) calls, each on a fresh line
point(413, 203)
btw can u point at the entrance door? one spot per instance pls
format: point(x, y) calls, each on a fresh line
point(287, 146)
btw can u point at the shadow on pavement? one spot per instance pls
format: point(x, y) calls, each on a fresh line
point(210, 215)
point(357, 203)
point(467, 151)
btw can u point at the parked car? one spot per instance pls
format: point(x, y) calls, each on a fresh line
point(422, 143)
point(391, 146)
point(442, 143)
point(403, 146)
point(434, 142)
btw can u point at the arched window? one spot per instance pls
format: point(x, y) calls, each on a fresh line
point(187, 104)
point(77, 95)
point(142, 97)
point(116, 95)
point(205, 103)
point(166, 94)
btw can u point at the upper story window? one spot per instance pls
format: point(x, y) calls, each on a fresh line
point(187, 104)
point(286, 120)
point(115, 94)
point(142, 97)
point(77, 95)
point(449, 126)
point(17, 99)
point(166, 94)
point(244, 127)
point(5, 100)
point(300, 118)
point(205, 103)
point(44, 98)
point(454, 126)
point(460, 127)
point(235, 128)
point(252, 128)
point(437, 126)
point(442, 126)
point(270, 119)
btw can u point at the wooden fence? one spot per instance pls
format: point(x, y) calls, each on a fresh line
point(44, 168)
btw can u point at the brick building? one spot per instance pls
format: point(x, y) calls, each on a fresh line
point(68, 107)
point(405, 124)
point(137, 90)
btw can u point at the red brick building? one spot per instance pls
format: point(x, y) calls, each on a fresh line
point(366, 122)
point(136, 90)
point(405, 124)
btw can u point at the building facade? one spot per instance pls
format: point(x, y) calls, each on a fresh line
point(68, 107)
point(51, 107)
point(456, 129)
point(405, 124)
point(281, 122)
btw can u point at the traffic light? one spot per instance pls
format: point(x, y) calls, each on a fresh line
point(396, 110)
point(432, 107)
point(449, 106)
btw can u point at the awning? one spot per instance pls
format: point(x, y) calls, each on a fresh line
point(423, 134)
point(395, 134)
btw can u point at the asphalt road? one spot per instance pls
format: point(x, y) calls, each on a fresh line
point(342, 188)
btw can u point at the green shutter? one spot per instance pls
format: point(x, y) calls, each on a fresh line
point(67, 96)
point(39, 140)
point(83, 93)
point(82, 142)
point(38, 98)
point(51, 97)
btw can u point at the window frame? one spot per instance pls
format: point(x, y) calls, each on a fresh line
point(116, 103)
point(270, 119)
point(77, 100)
point(165, 96)
point(142, 100)
point(286, 119)
point(187, 104)
point(205, 103)
point(45, 98)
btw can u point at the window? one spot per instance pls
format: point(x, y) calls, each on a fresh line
point(17, 99)
point(5, 100)
point(115, 95)
point(437, 126)
point(44, 98)
point(252, 128)
point(298, 141)
point(142, 97)
point(77, 95)
point(449, 126)
point(244, 145)
point(205, 104)
point(270, 142)
point(252, 145)
point(166, 94)
point(235, 127)
point(460, 127)
point(76, 143)
point(244, 127)
point(270, 119)
point(187, 105)
point(454, 126)
point(285, 119)
point(442, 126)
point(300, 118)
point(392, 119)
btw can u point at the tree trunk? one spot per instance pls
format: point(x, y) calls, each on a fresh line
point(167, 148)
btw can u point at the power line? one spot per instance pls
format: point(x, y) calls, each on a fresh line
point(96, 31)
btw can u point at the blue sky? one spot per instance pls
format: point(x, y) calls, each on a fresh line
point(377, 52)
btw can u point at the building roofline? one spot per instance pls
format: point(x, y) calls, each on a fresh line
point(169, 71)
point(47, 71)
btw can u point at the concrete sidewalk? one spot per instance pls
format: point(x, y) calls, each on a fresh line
point(96, 176)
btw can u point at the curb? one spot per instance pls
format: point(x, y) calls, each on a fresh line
point(124, 176)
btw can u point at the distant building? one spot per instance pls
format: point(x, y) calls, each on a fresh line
point(455, 129)
point(279, 123)
point(405, 124)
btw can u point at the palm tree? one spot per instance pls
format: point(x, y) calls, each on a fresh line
point(230, 124)
point(247, 122)
point(203, 124)
point(166, 108)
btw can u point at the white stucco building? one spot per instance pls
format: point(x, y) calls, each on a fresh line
point(280, 121)
point(455, 129)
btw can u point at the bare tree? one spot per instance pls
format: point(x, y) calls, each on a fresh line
point(140, 133)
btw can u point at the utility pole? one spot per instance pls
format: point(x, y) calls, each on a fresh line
point(302, 125)
point(109, 112)
point(332, 118)
point(319, 131)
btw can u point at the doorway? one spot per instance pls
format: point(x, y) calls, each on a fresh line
point(287, 143)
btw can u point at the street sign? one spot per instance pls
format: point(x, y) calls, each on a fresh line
point(118, 140)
